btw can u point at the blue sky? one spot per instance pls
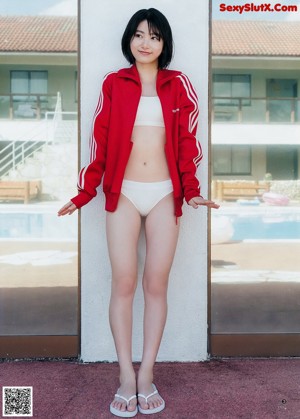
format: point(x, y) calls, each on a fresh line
point(38, 7)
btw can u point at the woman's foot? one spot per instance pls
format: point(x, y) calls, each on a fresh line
point(148, 396)
point(125, 401)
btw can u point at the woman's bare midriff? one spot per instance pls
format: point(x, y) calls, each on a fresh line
point(147, 161)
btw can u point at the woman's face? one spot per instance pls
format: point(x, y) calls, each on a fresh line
point(146, 46)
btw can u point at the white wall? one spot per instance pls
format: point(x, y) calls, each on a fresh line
point(185, 338)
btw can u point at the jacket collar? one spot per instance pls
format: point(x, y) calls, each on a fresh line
point(162, 76)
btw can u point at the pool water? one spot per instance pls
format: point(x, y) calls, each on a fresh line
point(263, 227)
point(44, 225)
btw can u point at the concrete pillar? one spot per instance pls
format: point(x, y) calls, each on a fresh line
point(185, 337)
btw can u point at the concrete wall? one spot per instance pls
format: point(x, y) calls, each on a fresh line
point(185, 338)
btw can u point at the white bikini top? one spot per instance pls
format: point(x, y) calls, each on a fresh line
point(149, 112)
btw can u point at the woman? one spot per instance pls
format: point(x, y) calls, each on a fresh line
point(144, 144)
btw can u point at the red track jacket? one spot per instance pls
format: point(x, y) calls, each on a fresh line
point(110, 142)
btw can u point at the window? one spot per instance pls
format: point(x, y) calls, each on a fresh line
point(232, 160)
point(27, 89)
point(29, 82)
point(232, 86)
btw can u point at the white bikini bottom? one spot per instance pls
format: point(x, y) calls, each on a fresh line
point(145, 195)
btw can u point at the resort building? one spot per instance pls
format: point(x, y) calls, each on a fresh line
point(255, 100)
point(38, 101)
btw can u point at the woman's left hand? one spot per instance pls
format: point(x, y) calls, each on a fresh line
point(198, 200)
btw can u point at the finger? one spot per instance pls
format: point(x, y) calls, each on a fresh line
point(213, 205)
point(195, 202)
point(66, 206)
point(210, 204)
point(201, 201)
point(216, 206)
point(72, 210)
point(66, 212)
point(63, 211)
point(69, 208)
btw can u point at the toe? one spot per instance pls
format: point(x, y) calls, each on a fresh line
point(155, 402)
point(132, 406)
point(143, 404)
point(122, 407)
point(119, 405)
point(151, 405)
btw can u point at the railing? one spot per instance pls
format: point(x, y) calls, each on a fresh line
point(61, 127)
point(15, 153)
point(24, 106)
point(255, 110)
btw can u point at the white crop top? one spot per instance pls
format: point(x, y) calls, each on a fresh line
point(149, 112)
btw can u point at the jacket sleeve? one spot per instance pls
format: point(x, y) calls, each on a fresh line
point(90, 176)
point(189, 151)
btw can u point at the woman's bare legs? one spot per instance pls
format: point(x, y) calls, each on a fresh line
point(123, 228)
point(161, 240)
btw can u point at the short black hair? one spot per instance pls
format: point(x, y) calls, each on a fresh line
point(157, 23)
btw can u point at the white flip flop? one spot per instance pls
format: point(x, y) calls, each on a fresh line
point(126, 413)
point(150, 411)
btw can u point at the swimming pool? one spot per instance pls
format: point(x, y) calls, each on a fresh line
point(265, 223)
point(257, 227)
point(36, 223)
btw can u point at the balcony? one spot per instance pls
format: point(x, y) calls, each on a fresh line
point(254, 110)
point(24, 106)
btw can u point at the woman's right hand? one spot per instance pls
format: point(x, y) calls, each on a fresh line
point(69, 208)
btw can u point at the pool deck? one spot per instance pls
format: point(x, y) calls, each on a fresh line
point(271, 255)
point(274, 255)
